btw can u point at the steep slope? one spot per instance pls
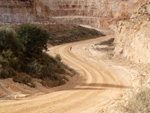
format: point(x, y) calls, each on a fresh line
point(96, 13)
point(22, 11)
point(133, 36)
point(15, 11)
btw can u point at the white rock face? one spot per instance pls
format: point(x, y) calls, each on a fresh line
point(132, 38)
point(96, 13)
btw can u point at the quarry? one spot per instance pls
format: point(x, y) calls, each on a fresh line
point(98, 51)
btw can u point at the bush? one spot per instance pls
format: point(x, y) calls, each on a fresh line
point(8, 39)
point(33, 68)
point(22, 54)
point(52, 83)
point(23, 78)
point(33, 38)
point(58, 57)
point(6, 73)
point(11, 59)
point(52, 71)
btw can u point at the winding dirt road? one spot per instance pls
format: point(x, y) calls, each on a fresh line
point(98, 86)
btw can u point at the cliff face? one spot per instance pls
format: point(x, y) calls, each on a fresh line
point(42, 12)
point(15, 11)
point(96, 13)
point(132, 38)
point(23, 11)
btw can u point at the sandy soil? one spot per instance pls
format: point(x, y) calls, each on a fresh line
point(98, 86)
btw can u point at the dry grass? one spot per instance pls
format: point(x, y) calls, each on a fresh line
point(137, 100)
point(24, 79)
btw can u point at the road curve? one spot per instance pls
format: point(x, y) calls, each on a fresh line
point(98, 86)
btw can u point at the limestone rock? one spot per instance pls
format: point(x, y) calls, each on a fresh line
point(95, 13)
point(132, 40)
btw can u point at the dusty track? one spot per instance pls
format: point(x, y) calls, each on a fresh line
point(98, 86)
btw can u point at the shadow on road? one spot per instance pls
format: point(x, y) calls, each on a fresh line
point(105, 85)
point(98, 86)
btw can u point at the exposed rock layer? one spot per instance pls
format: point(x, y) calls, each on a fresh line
point(15, 11)
point(132, 38)
point(23, 11)
point(95, 13)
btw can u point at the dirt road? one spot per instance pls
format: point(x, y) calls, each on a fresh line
point(98, 86)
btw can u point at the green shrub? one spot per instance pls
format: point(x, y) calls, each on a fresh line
point(22, 59)
point(11, 59)
point(8, 39)
point(58, 57)
point(32, 68)
point(33, 38)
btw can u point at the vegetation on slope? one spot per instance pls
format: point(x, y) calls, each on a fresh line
point(76, 33)
point(22, 57)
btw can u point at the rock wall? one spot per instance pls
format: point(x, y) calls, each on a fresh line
point(41, 11)
point(132, 39)
point(96, 13)
point(23, 11)
point(15, 11)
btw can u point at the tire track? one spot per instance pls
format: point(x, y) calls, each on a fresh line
point(96, 89)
